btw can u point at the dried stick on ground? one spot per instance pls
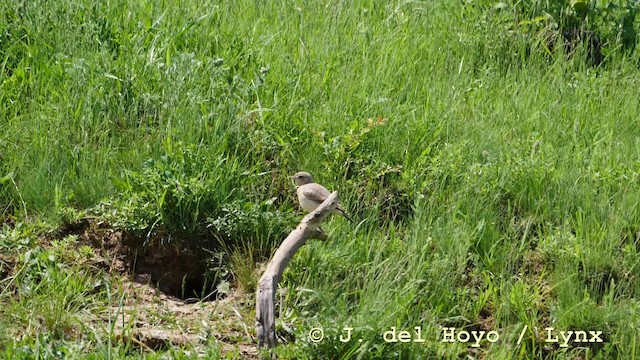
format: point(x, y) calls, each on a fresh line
point(309, 228)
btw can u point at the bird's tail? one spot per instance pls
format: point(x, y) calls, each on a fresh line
point(343, 213)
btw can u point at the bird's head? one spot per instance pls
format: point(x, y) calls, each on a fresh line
point(302, 178)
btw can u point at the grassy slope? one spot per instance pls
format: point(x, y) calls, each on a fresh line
point(520, 180)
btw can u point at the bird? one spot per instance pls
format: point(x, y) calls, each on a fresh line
point(311, 194)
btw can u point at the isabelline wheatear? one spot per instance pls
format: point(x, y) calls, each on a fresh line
point(311, 195)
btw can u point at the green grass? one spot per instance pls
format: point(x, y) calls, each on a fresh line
point(495, 186)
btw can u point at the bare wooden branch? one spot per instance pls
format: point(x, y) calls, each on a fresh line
point(309, 228)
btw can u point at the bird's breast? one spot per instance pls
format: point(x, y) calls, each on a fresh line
point(307, 204)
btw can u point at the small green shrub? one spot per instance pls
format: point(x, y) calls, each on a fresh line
point(50, 289)
point(375, 181)
point(178, 190)
point(240, 222)
point(597, 28)
point(249, 233)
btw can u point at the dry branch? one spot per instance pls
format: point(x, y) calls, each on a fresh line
point(309, 228)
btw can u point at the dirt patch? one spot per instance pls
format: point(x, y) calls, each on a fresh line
point(150, 312)
point(7, 266)
point(532, 265)
point(149, 320)
point(176, 271)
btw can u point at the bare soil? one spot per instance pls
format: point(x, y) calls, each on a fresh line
point(146, 311)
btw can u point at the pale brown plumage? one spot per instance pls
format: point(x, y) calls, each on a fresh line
point(311, 195)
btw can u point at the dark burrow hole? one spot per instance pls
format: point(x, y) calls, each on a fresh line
point(599, 279)
point(175, 269)
point(178, 272)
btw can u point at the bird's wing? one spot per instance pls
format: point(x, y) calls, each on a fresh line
point(315, 192)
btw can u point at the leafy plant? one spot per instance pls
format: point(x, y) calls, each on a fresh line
point(375, 182)
point(177, 190)
point(597, 25)
point(249, 233)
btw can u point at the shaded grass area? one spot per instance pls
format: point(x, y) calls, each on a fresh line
point(496, 185)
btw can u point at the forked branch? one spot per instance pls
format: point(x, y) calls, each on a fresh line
point(309, 228)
